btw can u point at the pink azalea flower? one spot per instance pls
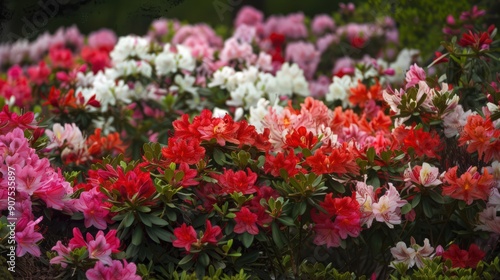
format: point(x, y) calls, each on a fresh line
point(99, 249)
point(103, 39)
point(115, 271)
point(413, 255)
point(250, 16)
point(27, 238)
point(424, 175)
point(365, 197)
point(91, 204)
point(305, 55)
point(414, 75)
point(235, 50)
point(322, 23)
point(62, 253)
point(388, 208)
point(327, 234)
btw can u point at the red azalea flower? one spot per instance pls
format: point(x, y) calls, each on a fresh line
point(463, 258)
point(133, 183)
point(189, 176)
point(61, 57)
point(39, 74)
point(211, 234)
point(239, 181)
point(360, 94)
point(479, 134)
point(342, 220)
point(338, 160)
point(185, 129)
point(470, 186)
point(274, 164)
point(246, 133)
point(423, 142)
point(246, 221)
point(358, 42)
point(277, 39)
point(98, 58)
point(262, 140)
point(100, 146)
point(221, 129)
point(301, 138)
point(10, 120)
point(477, 41)
point(186, 236)
point(183, 150)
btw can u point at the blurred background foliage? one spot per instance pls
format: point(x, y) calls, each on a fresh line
point(420, 22)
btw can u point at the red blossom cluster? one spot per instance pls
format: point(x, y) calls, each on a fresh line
point(222, 130)
point(342, 219)
point(464, 258)
point(482, 137)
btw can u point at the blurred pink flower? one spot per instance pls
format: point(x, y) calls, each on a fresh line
point(305, 55)
point(250, 16)
point(104, 39)
point(322, 23)
point(414, 75)
point(73, 36)
point(235, 50)
point(39, 74)
point(292, 26)
point(472, 15)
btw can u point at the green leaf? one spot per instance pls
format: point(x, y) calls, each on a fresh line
point(137, 236)
point(157, 220)
point(427, 208)
point(370, 154)
point(128, 220)
point(144, 209)
point(287, 221)
point(247, 239)
point(186, 259)
point(406, 208)
point(277, 235)
point(219, 157)
point(145, 218)
point(436, 197)
point(164, 234)
point(152, 235)
point(247, 258)
point(416, 200)
point(204, 260)
point(299, 209)
point(338, 187)
point(132, 251)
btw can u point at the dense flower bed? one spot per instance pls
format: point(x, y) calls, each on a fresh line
point(286, 150)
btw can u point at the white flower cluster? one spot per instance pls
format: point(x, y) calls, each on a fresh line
point(106, 90)
point(133, 57)
point(340, 89)
point(131, 48)
point(247, 87)
point(170, 62)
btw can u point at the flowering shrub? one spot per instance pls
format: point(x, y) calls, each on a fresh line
point(182, 155)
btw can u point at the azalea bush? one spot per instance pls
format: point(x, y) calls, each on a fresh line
point(284, 151)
